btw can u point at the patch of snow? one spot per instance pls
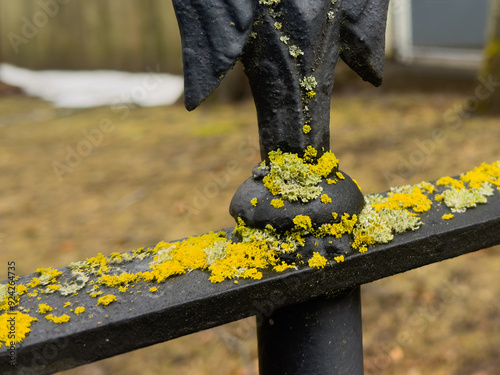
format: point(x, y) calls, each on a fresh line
point(83, 89)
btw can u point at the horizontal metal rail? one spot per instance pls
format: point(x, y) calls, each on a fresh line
point(190, 303)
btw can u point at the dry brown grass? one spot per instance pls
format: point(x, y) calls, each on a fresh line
point(154, 177)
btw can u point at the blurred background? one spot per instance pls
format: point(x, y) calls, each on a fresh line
point(85, 178)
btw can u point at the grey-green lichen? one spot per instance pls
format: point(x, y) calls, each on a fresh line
point(308, 83)
point(269, 2)
point(284, 39)
point(381, 225)
point(295, 51)
point(458, 200)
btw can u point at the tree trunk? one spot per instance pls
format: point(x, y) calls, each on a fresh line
point(490, 71)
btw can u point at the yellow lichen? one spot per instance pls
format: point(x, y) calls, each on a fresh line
point(79, 310)
point(106, 300)
point(58, 319)
point(306, 129)
point(447, 216)
point(356, 182)
point(283, 266)
point(124, 278)
point(153, 289)
point(43, 308)
point(339, 259)
point(326, 199)
point(21, 326)
point(447, 180)
point(317, 261)
point(277, 203)
point(303, 222)
point(254, 202)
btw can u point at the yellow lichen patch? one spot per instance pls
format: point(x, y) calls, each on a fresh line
point(356, 182)
point(430, 188)
point(163, 271)
point(48, 275)
point(439, 198)
point(485, 173)
point(339, 259)
point(283, 266)
point(277, 203)
point(310, 94)
point(79, 310)
point(254, 202)
point(329, 181)
point(43, 308)
point(95, 294)
point(447, 180)
point(243, 260)
point(447, 216)
point(193, 253)
point(295, 178)
point(153, 289)
point(317, 261)
point(52, 288)
point(306, 129)
point(310, 153)
point(21, 326)
point(124, 278)
point(58, 319)
point(67, 304)
point(302, 222)
point(325, 199)
point(340, 176)
point(106, 300)
point(34, 282)
point(21, 289)
point(122, 289)
point(346, 226)
point(98, 264)
point(326, 163)
point(405, 197)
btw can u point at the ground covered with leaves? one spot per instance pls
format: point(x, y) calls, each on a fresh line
point(75, 183)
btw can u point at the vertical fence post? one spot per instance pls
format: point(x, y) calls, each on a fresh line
point(319, 337)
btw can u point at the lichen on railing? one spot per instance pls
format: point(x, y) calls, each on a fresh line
point(244, 253)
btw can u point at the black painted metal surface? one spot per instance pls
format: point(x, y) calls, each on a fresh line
point(190, 303)
point(216, 33)
point(318, 337)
